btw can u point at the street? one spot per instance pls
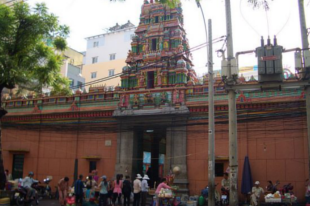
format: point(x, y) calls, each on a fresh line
point(49, 202)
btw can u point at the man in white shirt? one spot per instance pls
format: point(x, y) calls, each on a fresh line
point(27, 183)
point(137, 190)
point(257, 191)
point(144, 189)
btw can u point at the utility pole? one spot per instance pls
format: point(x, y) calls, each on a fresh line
point(211, 145)
point(305, 46)
point(211, 154)
point(233, 141)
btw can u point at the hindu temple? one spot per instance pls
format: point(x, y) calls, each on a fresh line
point(157, 119)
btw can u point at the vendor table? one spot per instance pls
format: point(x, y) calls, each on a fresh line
point(284, 202)
point(166, 201)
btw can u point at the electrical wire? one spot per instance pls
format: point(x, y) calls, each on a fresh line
point(247, 20)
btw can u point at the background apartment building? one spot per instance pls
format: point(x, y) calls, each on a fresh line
point(10, 2)
point(72, 68)
point(106, 54)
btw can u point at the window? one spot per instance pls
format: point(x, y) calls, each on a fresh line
point(96, 44)
point(219, 169)
point(111, 72)
point(94, 75)
point(80, 84)
point(156, 19)
point(95, 60)
point(154, 44)
point(71, 82)
point(18, 166)
point(92, 166)
point(150, 79)
point(112, 56)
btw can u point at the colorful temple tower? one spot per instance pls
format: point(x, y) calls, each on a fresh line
point(160, 55)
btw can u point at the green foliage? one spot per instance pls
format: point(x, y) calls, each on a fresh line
point(25, 59)
point(260, 3)
point(170, 3)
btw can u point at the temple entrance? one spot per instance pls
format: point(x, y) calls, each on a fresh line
point(149, 153)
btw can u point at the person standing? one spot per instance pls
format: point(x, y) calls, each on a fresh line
point(95, 175)
point(103, 194)
point(127, 190)
point(117, 192)
point(8, 175)
point(90, 185)
point(144, 189)
point(63, 188)
point(78, 191)
point(257, 191)
point(137, 190)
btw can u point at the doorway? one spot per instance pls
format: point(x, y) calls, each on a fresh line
point(18, 166)
point(150, 154)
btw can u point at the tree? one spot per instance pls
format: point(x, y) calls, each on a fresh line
point(260, 3)
point(26, 59)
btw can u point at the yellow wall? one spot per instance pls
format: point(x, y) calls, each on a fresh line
point(75, 57)
point(102, 70)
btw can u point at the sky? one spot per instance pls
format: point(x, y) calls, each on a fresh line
point(91, 17)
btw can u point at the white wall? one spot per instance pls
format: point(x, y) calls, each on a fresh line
point(118, 43)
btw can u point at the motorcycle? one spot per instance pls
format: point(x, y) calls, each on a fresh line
point(20, 197)
point(224, 197)
point(205, 194)
point(288, 188)
point(45, 190)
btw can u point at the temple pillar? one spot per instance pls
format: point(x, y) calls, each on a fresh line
point(176, 154)
point(125, 143)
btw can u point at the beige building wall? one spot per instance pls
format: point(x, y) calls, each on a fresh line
point(102, 71)
point(75, 57)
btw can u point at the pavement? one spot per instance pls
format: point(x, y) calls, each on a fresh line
point(49, 203)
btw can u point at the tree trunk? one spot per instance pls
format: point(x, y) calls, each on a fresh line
point(2, 174)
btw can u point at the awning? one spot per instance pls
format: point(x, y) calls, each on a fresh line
point(223, 158)
point(92, 158)
point(18, 150)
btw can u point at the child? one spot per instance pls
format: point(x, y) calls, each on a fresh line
point(70, 200)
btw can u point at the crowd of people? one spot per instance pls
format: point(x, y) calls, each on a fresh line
point(114, 192)
point(123, 191)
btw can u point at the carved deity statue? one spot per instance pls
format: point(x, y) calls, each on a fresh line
point(136, 99)
point(159, 76)
point(163, 97)
point(160, 43)
point(141, 80)
point(148, 98)
point(180, 48)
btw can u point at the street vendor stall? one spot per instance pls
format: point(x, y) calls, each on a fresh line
point(278, 199)
point(166, 197)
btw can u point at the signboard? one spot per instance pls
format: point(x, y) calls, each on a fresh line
point(108, 143)
point(269, 58)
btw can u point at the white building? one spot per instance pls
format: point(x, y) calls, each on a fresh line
point(106, 54)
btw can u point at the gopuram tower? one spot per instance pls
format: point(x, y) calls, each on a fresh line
point(152, 111)
point(160, 55)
